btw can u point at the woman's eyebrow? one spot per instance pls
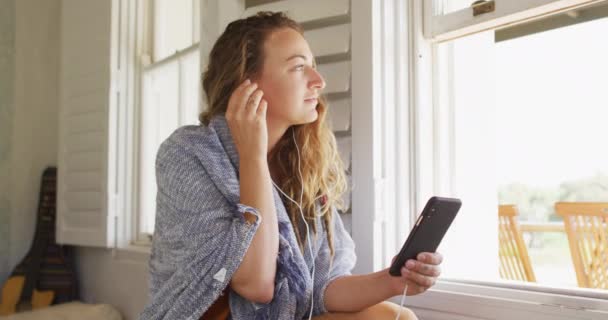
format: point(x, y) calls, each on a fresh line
point(297, 56)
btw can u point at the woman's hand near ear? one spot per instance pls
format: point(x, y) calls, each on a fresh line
point(246, 117)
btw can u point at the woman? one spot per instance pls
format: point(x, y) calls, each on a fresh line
point(247, 224)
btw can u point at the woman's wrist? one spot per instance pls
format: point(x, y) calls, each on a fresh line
point(394, 284)
point(253, 162)
point(388, 285)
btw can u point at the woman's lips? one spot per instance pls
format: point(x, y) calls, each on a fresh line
point(312, 100)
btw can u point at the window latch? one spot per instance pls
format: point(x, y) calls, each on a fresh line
point(483, 6)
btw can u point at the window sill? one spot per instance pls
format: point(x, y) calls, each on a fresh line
point(490, 302)
point(133, 253)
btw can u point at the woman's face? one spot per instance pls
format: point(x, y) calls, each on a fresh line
point(289, 79)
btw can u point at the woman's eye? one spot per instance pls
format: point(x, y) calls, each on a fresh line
point(299, 67)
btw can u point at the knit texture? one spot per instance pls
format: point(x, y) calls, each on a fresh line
point(201, 236)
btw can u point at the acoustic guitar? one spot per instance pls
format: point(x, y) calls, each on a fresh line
point(46, 275)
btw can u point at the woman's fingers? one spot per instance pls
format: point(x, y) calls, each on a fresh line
point(261, 112)
point(419, 279)
point(239, 99)
point(247, 127)
point(236, 97)
point(254, 102)
point(423, 268)
point(243, 98)
point(430, 258)
point(421, 274)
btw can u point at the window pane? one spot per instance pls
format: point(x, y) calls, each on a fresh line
point(189, 78)
point(522, 122)
point(466, 169)
point(170, 99)
point(159, 118)
point(173, 27)
point(552, 134)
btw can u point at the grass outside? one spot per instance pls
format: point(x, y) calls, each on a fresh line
point(551, 260)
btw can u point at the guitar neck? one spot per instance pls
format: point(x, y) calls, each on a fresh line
point(45, 230)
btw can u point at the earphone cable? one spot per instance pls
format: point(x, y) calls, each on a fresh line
point(312, 258)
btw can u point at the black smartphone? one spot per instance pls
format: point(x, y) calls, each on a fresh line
point(431, 226)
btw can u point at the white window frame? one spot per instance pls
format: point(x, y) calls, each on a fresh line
point(480, 299)
point(154, 17)
point(141, 54)
point(380, 142)
point(134, 49)
point(443, 27)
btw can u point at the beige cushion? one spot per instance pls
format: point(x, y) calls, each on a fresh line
point(69, 311)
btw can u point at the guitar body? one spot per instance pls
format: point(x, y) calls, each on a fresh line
point(11, 291)
point(41, 299)
point(46, 275)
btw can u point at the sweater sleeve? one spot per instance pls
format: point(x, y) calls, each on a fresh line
point(199, 238)
point(327, 269)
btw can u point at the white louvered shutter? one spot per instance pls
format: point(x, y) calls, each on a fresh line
point(87, 121)
point(328, 31)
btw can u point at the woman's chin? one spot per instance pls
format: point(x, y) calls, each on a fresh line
point(312, 115)
point(307, 117)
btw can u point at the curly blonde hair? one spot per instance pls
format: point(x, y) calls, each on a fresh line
point(237, 55)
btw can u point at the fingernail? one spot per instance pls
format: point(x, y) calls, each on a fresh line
point(410, 264)
point(405, 271)
point(247, 81)
point(421, 257)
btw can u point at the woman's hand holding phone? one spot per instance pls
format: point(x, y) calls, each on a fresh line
point(419, 274)
point(246, 118)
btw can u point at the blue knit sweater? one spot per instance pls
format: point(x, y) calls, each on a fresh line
point(201, 236)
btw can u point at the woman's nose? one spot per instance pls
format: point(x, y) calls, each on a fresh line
point(317, 80)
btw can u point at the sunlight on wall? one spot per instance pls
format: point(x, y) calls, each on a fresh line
point(7, 65)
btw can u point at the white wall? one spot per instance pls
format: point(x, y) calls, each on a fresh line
point(121, 282)
point(34, 135)
point(7, 71)
point(102, 278)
